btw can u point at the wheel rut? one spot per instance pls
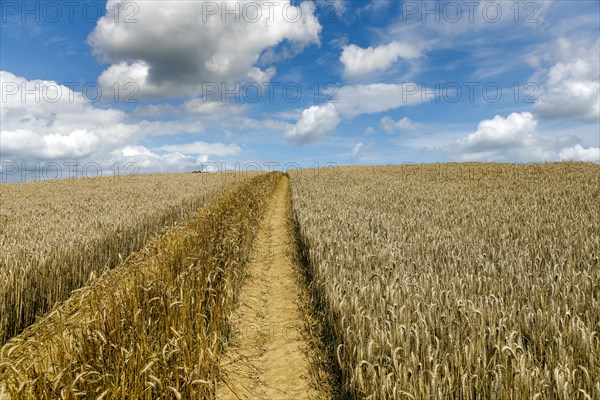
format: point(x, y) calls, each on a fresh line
point(268, 355)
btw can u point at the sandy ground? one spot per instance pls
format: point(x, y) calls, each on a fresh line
point(268, 357)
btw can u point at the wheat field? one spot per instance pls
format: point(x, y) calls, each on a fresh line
point(155, 325)
point(465, 281)
point(66, 231)
point(456, 280)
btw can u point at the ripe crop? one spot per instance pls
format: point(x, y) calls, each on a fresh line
point(457, 280)
point(56, 234)
point(154, 326)
point(429, 281)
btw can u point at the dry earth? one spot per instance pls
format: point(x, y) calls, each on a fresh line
point(269, 354)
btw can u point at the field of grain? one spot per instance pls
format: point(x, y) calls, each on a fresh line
point(478, 281)
point(456, 280)
point(155, 325)
point(62, 232)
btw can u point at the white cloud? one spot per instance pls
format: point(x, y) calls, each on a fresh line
point(444, 22)
point(374, 98)
point(404, 124)
point(515, 138)
point(501, 132)
point(202, 106)
point(46, 126)
point(209, 110)
point(218, 149)
point(167, 128)
point(171, 158)
point(533, 60)
point(580, 153)
point(262, 77)
point(358, 61)
point(572, 89)
point(314, 123)
point(146, 159)
point(262, 124)
point(55, 122)
point(356, 151)
point(369, 131)
point(196, 42)
point(154, 110)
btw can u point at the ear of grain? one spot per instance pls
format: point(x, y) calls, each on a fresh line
point(457, 280)
point(55, 235)
point(153, 327)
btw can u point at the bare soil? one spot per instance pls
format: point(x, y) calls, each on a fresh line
point(269, 352)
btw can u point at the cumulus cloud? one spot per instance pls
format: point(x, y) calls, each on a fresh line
point(172, 158)
point(54, 123)
point(196, 42)
point(313, 124)
point(358, 61)
point(353, 100)
point(515, 138)
point(146, 159)
point(572, 88)
point(580, 153)
point(403, 124)
point(501, 132)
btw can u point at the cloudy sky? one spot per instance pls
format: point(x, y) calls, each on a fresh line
point(185, 85)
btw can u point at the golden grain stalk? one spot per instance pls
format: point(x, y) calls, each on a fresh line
point(57, 234)
point(154, 326)
point(457, 280)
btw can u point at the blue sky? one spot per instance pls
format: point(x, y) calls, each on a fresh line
point(190, 84)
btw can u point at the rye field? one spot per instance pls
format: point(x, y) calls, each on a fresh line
point(462, 281)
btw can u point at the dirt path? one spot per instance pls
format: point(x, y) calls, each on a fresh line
point(268, 353)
